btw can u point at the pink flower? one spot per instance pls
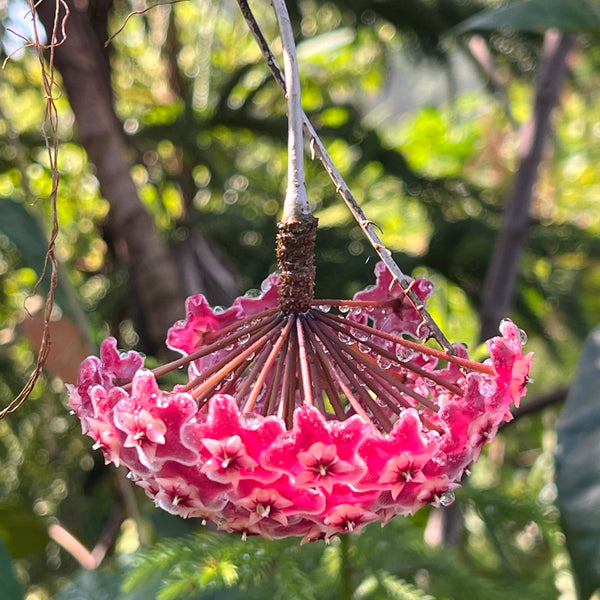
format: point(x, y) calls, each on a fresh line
point(228, 458)
point(347, 518)
point(266, 504)
point(306, 424)
point(322, 467)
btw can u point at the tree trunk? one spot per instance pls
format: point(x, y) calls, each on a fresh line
point(81, 59)
point(502, 274)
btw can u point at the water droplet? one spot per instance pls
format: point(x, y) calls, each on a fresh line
point(229, 348)
point(253, 293)
point(447, 498)
point(383, 362)
point(250, 356)
point(357, 310)
point(344, 337)
point(250, 420)
point(325, 308)
point(218, 310)
point(404, 354)
point(487, 386)
point(243, 339)
point(364, 348)
point(344, 308)
point(363, 336)
point(522, 337)
point(228, 376)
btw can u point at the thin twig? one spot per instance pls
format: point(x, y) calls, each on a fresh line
point(50, 134)
point(134, 13)
point(369, 228)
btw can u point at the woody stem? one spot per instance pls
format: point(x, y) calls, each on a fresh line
point(296, 206)
point(297, 228)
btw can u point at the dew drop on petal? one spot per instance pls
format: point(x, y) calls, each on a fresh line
point(218, 310)
point(253, 293)
point(344, 308)
point(487, 386)
point(250, 419)
point(522, 337)
point(244, 338)
point(364, 348)
point(447, 498)
point(325, 308)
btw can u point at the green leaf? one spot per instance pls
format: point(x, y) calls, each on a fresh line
point(572, 16)
point(22, 531)
point(11, 590)
point(578, 468)
point(25, 232)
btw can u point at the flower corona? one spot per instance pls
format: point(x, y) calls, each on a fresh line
point(302, 423)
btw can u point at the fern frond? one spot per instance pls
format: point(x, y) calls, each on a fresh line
point(399, 589)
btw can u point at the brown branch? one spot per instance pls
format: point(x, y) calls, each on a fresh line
point(539, 403)
point(502, 274)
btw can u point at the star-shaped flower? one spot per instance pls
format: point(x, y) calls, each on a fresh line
point(322, 467)
point(229, 458)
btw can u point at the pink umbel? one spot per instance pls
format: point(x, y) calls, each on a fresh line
point(302, 423)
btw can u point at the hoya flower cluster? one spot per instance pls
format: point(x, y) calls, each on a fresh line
point(307, 423)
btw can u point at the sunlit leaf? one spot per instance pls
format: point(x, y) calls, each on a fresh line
point(25, 232)
point(537, 15)
point(578, 468)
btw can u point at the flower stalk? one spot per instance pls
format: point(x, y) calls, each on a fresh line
point(297, 228)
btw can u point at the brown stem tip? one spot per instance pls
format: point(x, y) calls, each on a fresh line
point(295, 254)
